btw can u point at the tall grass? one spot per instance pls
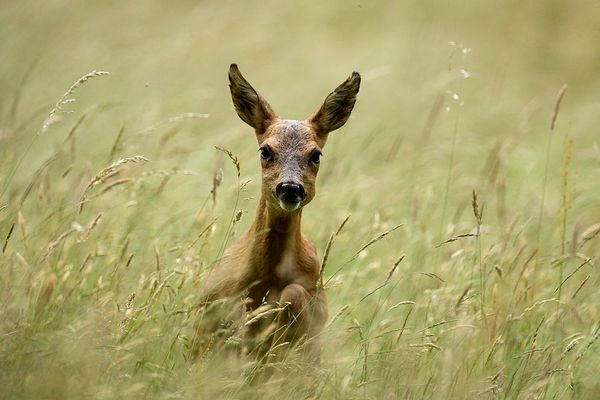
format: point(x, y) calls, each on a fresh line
point(467, 267)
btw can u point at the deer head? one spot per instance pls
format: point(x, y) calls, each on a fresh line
point(290, 150)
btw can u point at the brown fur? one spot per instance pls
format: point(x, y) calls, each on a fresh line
point(273, 261)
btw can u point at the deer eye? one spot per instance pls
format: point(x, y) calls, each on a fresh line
point(265, 154)
point(315, 157)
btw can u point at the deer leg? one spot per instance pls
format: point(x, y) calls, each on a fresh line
point(210, 327)
point(305, 313)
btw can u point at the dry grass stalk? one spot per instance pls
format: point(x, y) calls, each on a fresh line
point(206, 229)
point(461, 298)
point(337, 315)
point(172, 172)
point(10, 231)
point(492, 351)
point(566, 203)
point(115, 183)
point(37, 177)
point(533, 306)
point(75, 128)
point(402, 303)
point(116, 143)
point(57, 110)
point(363, 248)
point(128, 311)
point(129, 260)
point(595, 337)
point(124, 248)
point(22, 225)
point(559, 97)
point(427, 345)
point(217, 178)
point(233, 159)
point(104, 172)
point(475, 206)
point(275, 347)
point(328, 248)
point(107, 172)
point(557, 103)
point(393, 269)
point(92, 225)
point(587, 261)
point(589, 234)
point(580, 286)
point(434, 113)
point(173, 120)
point(387, 280)
point(162, 184)
point(46, 293)
point(53, 245)
point(574, 241)
point(157, 257)
point(21, 259)
point(376, 239)
point(263, 314)
point(457, 237)
point(574, 342)
point(17, 97)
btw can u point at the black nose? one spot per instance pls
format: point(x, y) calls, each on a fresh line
point(290, 192)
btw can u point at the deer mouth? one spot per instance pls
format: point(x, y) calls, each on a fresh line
point(289, 207)
point(288, 202)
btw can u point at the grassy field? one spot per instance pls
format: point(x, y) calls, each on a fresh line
point(465, 155)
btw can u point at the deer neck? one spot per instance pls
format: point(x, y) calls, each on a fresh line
point(276, 234)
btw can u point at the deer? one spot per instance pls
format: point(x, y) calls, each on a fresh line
point(273, 262)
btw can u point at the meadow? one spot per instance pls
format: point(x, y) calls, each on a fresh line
point(460, 204)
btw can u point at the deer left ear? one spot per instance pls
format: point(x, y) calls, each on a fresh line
point(337, 107)
point(251, 107)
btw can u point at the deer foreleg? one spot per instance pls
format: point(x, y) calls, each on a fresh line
point(304, 315)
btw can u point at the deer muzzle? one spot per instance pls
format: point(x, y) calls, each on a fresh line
point(290, 195)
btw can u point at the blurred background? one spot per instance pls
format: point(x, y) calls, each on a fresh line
point(170, 59)
point(455, 97)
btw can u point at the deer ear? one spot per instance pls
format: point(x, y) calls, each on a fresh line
point(337, 107)
point(252, 108)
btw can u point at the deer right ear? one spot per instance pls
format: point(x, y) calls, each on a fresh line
point(337, 107)
point(252, 108)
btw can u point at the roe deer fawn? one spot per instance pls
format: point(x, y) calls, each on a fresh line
point(273, 262)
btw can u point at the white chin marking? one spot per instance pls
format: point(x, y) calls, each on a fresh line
point(289, 207)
